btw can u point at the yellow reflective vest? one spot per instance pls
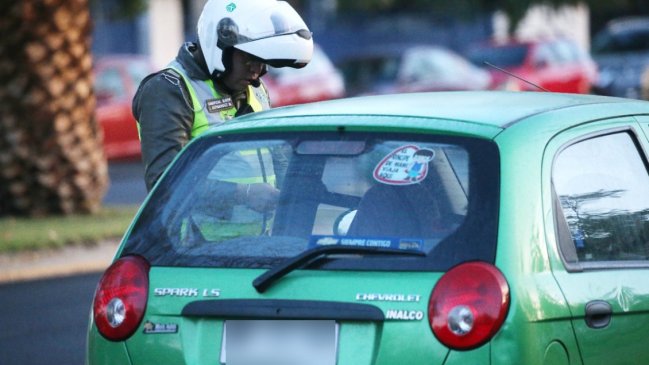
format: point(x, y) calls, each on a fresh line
point(212, 109)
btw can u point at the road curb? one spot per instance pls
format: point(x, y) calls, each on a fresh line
point(56, 263)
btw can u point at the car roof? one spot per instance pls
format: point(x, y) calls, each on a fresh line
point(486, 110)
point(523, 42)
point(507, 43)
point(628, 23)
point(388, 50)
point(120, 59)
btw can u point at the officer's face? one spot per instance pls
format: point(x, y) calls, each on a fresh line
point(245, 69)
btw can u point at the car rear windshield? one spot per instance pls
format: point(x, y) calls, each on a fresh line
point(255, 200)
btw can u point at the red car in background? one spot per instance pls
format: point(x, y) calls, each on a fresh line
point(317, 81)
point(558, 65)
point(116, 80)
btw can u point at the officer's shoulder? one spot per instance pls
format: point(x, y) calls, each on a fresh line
point(166, 78)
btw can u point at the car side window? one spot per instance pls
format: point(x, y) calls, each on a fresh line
point(603, 189)
point(544, 56)
point(108, 84)
point(417, 66)
point(566, 52)
point(137, 71)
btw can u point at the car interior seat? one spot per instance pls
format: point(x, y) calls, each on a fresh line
point(397, 211)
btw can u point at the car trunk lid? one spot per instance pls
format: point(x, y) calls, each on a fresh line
point(363, 309)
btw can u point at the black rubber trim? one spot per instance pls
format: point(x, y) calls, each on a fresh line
point(282, 309)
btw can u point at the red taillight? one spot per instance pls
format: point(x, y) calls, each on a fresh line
point(468, 305)
point(121, 296)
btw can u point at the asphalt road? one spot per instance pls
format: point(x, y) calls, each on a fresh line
point(45, 321)
point(126, 183)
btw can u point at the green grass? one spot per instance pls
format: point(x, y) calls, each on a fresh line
point(28, 234)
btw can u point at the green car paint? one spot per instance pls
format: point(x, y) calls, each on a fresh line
point(546, 321)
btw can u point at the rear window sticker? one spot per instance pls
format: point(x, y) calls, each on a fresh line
point(405, 165)
point(405, 244)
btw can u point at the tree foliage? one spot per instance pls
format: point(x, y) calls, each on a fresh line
point(123, 9)
point(515, 9)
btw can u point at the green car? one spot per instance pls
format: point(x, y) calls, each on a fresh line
point(433, 228)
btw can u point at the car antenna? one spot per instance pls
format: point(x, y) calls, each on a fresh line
point(516, 76)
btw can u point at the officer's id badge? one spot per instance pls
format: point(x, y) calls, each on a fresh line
point(216, 105)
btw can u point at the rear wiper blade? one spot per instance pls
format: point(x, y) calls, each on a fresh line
point(263, 281)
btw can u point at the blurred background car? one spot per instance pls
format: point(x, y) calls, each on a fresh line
point(621, 49)
point(317, 81)
point(403, 68)
point(116, 80)
point(557, 65)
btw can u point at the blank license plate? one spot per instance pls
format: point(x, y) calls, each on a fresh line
point(279, 342)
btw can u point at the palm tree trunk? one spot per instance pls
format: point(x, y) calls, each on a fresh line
point(51, 157)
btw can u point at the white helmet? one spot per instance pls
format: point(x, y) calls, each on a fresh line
point(268, 29)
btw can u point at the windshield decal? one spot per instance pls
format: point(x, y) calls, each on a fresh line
point(406, 244)
point(405, 165)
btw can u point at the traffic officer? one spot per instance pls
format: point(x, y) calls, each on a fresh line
point(218, 78)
